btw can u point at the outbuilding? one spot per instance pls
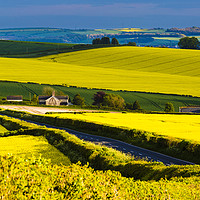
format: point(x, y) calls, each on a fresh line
point(190, 109)
point(17, 98)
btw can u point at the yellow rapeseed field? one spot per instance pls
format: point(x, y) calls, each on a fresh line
point(129, 30)
point(31, 146)
point(179, 126)
point(117, 68)
point(2, 129)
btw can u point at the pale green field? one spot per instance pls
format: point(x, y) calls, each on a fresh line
point(167, 38)
point(2, 129)
point(178, 126)
point(32, 146)
point(172, 71)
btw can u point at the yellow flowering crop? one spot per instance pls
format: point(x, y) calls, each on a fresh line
point(179, 126)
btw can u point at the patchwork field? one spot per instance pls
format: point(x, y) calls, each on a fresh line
point(31, 146)
point(123, 68)
point(178, 126)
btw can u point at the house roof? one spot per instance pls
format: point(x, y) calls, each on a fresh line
point(57, 97)
point(17, 97)
point(190, 107)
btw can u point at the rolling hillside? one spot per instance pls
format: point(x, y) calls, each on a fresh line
point(26, 49)
point(168, 71)
point(142, 59)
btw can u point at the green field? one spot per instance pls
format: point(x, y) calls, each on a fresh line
point(31, 146)
point(12, 48)
point(148, 101)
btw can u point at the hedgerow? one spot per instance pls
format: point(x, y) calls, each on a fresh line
point(180, 148)
point(37, 178)
point(101, 157)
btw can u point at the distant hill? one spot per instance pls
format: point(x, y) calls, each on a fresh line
point(143, 37)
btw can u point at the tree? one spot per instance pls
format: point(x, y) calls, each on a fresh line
point(115, 41)
point(131, 44)
point(189, 43)
point(136, 105)
point(98, 98)
point(169, 107)
point(96, 41)
point(35, 99)
point(113, 100)
point(49, 91)
point(78, 100)
point(105, 40)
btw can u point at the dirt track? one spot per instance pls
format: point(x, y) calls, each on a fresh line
point(42, 110)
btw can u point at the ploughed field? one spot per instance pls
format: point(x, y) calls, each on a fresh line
point(175, 126)
point(171, 71)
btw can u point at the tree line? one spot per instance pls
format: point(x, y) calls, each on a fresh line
point(105, 40)
point(184, 43)
point(108, 41)
point(101, 99)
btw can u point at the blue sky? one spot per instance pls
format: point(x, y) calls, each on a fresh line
point(99, 13)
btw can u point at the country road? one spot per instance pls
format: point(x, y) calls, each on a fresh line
point(121, 146)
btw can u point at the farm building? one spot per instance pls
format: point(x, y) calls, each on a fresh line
point(191, 109)
point(53, 100)
point(17, 98)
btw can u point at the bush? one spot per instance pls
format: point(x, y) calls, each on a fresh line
point(189, 43)
point(78, 100)
point(169, 107)
point(136, 105)
point(113, 100)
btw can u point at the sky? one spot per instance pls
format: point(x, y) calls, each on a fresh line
point(99, 13)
